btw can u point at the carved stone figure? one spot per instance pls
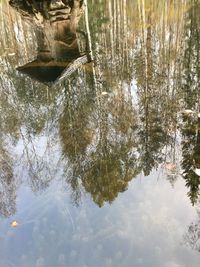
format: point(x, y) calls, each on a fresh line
point(56, 30)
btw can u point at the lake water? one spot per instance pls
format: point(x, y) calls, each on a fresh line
point(100, 134)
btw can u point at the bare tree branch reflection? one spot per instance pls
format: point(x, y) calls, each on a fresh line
point(192, 236)
point(8, 185)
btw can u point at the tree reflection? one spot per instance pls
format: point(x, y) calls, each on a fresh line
point(76, 131)
point(153, 98)
point(191, 155)
point(191, 123)
point(106, 122)
point(98, 140)
point(7, 184)
point(113, 163)
point(192, 237)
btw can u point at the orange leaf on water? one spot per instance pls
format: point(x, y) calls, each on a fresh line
point(170, 166)
point(14, 224)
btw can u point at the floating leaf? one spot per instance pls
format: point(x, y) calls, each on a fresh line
point(14, 224)
point(170, 166)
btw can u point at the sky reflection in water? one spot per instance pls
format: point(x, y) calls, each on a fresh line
point(144, 226)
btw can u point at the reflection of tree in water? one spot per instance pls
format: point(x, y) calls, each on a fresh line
point(31, 109)
point(97, 136)
point(190, 88)
point(75, 131)
point(153, 139)
point(191, 155)
point(192, 237)
point(113, 163)
point(191, 62)
point(7, 184)
point(153, 133)
point(105, 143)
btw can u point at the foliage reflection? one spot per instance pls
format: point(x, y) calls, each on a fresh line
point(107, 121)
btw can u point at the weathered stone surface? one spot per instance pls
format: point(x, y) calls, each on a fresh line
point(40, 12)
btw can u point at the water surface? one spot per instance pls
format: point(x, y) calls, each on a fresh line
point(100, 135)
